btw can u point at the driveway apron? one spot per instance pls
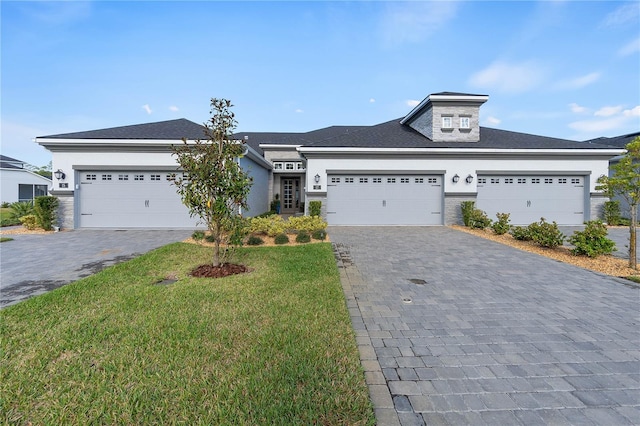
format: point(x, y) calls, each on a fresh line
point(456, 329)
point(34, 264)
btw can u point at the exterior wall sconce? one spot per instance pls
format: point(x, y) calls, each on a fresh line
point(469, 179)
point(455, 179)
point(317, 178)
point(59, 174)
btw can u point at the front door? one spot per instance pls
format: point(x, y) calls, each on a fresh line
point(290, 195)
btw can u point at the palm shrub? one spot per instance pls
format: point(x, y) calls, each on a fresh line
point(546, 234)
point(612, 212)
point(501, 226)
point(592, 241)
point(45, 211)
point(20, 209)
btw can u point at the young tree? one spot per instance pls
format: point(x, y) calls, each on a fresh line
point(213, 185)
point(625, 182)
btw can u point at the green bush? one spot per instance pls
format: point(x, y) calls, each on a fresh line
point(267, 214)
point(501, 226)
point(269, 225)
point(45, 210)
point(478, 219)
point(10, 221)
point(303, 237)
point(210, 239)
point(29, 221)
point(592, 241)
point(315, 208)
point(197, 235)
point(612, 212)
point(467, 208)
point(5, 205)
point(306, 223)
point(255, 241)
point(281, 239)
point(520, 233)
point(546, 234)
point(20, 209)
point(319, 234)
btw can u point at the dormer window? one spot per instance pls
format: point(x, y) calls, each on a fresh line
point(447, 122)
point(465, 123)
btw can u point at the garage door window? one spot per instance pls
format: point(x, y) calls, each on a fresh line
point(90, 177)
point(155, 177)
point(377, 180)
point(106, 177)
point(575, 180)
point(548, 180)
point(138, 177)
point(419, 180)
point(364, 180)
point(391, 180)
point(123, 177)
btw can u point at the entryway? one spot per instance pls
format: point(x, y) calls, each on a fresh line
point(290, 190)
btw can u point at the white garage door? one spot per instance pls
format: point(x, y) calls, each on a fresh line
point(384, 200)
point(131, 199)
point(528, 198)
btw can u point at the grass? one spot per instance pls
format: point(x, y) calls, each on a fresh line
point(5, 239)
point(274, 346)
point(6, 217)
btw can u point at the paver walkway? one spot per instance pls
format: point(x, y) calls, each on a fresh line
point(455, 329)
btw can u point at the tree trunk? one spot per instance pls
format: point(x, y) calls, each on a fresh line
point(216, 250)
point(633, 263)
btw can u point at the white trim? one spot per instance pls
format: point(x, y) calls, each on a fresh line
point(486, 151)
point(279, 146)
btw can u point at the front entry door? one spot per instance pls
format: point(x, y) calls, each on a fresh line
point(290, 195)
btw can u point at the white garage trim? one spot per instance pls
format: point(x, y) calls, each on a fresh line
point(384, 199)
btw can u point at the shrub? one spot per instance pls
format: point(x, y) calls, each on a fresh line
point(45, 211)
point(270, 225)
point(197, 235)
point(267, 214)
point(520, 233)
point(255, 241)
point(478, 219)
point(319, 234)
point(306, 223)
point(281, 239)
point(20, 209)
point(592, 241)
point(502, 225)
point(10, 221)
point(210, 238)
point(5, 205)
point(546, 234)
point(303, 237)
point(612, 212)
point(467, 208)
point(29, 221)
point(315, 208)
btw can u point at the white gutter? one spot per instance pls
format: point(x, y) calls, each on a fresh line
point(277, 146)
point(334, 150)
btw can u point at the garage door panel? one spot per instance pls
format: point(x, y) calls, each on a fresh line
point(384, 200)
point(528, 198)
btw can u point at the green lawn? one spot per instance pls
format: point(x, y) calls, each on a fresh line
point(274, 346)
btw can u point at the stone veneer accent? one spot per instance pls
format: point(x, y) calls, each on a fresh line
point(66, 209)
point(452, 212)
point(597, 201)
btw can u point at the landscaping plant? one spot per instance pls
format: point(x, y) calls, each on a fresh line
point(213, 186)
point(45, 211)
point(281, 239)
point(478, 219)
point(501, 226)
point(19, 209)
point(611, 212)
point(320, 234)
point(520, 233)
point(315, 208)
point(467, 208)
point(592, 241)
point(303, 237)
point(546, 234)
point(29, 221)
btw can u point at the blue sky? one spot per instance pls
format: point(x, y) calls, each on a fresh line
point(565, 69)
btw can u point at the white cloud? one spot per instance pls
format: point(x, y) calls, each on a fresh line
point(174, 108)
point(493, 121)
point(633, 112)
point(299, 111)
point(608, 111)
point(630, 48)
point(575, 108)
point(579, 82)
point(60, 12)
point(509, 78)
point(147, 108)
point(371, 100)
point(597, 126)
point(627, 13)
point(412, 103)
point(413, 22)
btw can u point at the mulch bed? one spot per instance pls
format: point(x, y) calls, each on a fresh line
point(223, 270)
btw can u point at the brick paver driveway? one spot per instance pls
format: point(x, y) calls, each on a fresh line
point(455, 329)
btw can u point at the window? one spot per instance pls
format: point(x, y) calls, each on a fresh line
point(335, 180)
point(391, 180)
point(138, 177)
point(155, 177)
point(432, 180)
point(106, 177)
point(300, 166)
point(123, 177)
point(348, 180)
point(90, 177)
point(447, 122)
point(575, 180)
point(376, 180)
point(171, 176)
point(277, 166)
point(28, 192)
point(419, 180)
point(495, 180)
point(535, 180)
point(562, 180)
point(364, 180)
point(288, 166)
point(465, 123)
point(522, 180)
point(508, 180)
point(404, 180)
point(548, 180)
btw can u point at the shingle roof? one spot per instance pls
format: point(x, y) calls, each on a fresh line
point(10, 163)
point(617, 141)
point(171, 129)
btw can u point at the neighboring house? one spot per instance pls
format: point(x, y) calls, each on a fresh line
point(415, 170)
point(619, 142)
point(18, 183)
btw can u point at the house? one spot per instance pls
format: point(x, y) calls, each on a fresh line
point(414, 170)
point(19, 183)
